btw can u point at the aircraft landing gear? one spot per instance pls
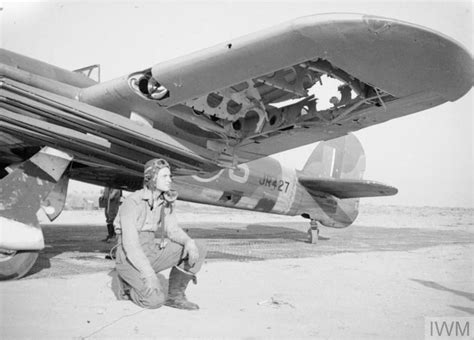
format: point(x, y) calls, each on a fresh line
point(313, 231)
point(15, 264)
point(21, 194)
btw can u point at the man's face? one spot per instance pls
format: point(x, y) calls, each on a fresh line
point(163, 180)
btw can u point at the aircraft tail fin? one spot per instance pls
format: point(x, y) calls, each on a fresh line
point(340, 158)
point(336, 167)
point(333, 177)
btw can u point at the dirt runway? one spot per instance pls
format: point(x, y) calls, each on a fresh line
point(78, 249)
point(261, 280)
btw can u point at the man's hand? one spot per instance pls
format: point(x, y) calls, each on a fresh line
point(191, 251)
point(151, 283)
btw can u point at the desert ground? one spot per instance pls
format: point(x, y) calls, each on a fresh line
point(378, 279)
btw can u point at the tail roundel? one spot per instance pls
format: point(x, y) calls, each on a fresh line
point(340, 158)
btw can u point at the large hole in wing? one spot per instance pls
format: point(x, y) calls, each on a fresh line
point(330, 93)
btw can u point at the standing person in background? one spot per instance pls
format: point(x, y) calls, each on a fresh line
point(110, 201)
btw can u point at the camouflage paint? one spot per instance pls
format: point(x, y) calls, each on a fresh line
point(261, 185)
point(265, 185)
point(21, 194)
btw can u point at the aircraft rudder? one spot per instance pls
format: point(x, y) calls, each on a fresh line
point(340, 158)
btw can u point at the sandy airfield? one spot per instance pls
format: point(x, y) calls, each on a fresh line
point(374, 280)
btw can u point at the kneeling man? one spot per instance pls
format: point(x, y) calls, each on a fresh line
point(150, 241)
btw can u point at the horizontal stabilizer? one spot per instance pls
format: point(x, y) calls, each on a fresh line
point(346, 188)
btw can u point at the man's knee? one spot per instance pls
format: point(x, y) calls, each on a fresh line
point(155, 301)
point(202, 249)
point(150, 301)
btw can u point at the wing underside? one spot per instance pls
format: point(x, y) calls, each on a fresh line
point(107, 148)
point(311, 79)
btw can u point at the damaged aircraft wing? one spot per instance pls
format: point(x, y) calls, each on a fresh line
point(310, 79)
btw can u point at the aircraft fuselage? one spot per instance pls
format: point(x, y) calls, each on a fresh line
point(265, 185)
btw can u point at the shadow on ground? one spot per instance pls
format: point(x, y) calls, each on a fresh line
point(75, 249)
point(437, 286)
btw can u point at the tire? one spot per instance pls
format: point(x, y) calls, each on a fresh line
point(16, 265)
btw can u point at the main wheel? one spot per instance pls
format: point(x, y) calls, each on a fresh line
point(16, 264)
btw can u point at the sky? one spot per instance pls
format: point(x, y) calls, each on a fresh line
point(428, 156)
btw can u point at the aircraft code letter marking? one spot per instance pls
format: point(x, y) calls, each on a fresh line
point(274, 184)
point(240, 178)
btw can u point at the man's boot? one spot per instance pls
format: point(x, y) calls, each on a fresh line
point(110, 233)
point(177, 285)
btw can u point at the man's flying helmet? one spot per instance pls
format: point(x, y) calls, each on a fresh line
point(152, 167)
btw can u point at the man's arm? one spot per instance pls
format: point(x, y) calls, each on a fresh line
point(178, 235)
point(130, 241)
point(174, 232)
